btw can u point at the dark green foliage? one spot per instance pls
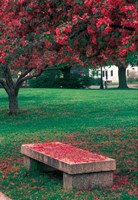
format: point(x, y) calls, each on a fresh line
point(1, 73)
point(75, 81)
point(54, 79)
point(132, 58)
point(95, 81)
point(132, 80)
point(48, 79)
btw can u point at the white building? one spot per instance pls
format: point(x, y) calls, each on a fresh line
point(110, 73)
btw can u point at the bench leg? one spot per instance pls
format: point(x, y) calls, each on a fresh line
point(29, 163)
point(85, 181)
point(34, 165)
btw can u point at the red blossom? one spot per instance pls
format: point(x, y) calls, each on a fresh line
point(74, 18)
point(57, 31)
point(84, 16)
point(107, 30)
point(75, 43)
point(122, 180)
point(48, 44)
point(2, 60)
point(94, 40)
point(21, 1)
point(125, 40)
point(132, 47)
point(96, 198)
point(130, 192)
point(50, 63)
point(24, 42)
point(104, 57)
point(69, 49)
point(88, 2)
point(90, 30)
point(67, 29)
point(105, 20)
point(48, 32)
point(2, 41)
point(123, 52)
point(62, 40)
point(2, 54)
point(93, 10)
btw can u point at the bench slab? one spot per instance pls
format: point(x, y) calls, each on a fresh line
point(81, 169)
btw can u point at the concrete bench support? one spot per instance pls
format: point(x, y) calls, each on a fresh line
point(85, 181)
point(34, 165)
point(81, 169)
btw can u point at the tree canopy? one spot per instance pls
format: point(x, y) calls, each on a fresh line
point(40, 32)
point(37, 35)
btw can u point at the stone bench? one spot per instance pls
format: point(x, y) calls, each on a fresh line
point(81, 169)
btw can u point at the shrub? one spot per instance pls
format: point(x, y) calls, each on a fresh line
point(95, 81)
point(53, 79)
point(75, 81)
point(133, 76)
point(132, 80)
point(48, 79)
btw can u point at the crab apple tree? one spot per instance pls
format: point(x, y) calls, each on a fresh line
point(38, 35)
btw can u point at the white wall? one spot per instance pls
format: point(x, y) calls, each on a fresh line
point(111, 73)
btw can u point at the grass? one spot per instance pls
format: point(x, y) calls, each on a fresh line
point(102, 121)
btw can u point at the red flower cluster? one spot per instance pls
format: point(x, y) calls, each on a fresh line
point(48, 44)
point(67, 29)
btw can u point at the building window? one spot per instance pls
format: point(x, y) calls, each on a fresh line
point(111, 72)
point(93, 73)
point(106, 74)
point(127, 72)
point(103, 73)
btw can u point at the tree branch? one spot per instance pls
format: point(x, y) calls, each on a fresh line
point(84, 28)
point(8, 78)
point(23, 77)
point(122, 27)
point(2, 82)
point(24, 73)
point(33, 75)
point(53, 69)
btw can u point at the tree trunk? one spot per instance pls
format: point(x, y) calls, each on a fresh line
point(66, 77)
point(13, 102)
point(66, 73)
point(101, 82)
point(122, 77)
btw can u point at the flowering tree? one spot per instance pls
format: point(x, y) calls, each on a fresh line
point(38, 35)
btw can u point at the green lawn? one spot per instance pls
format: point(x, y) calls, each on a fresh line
point(102, 121)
